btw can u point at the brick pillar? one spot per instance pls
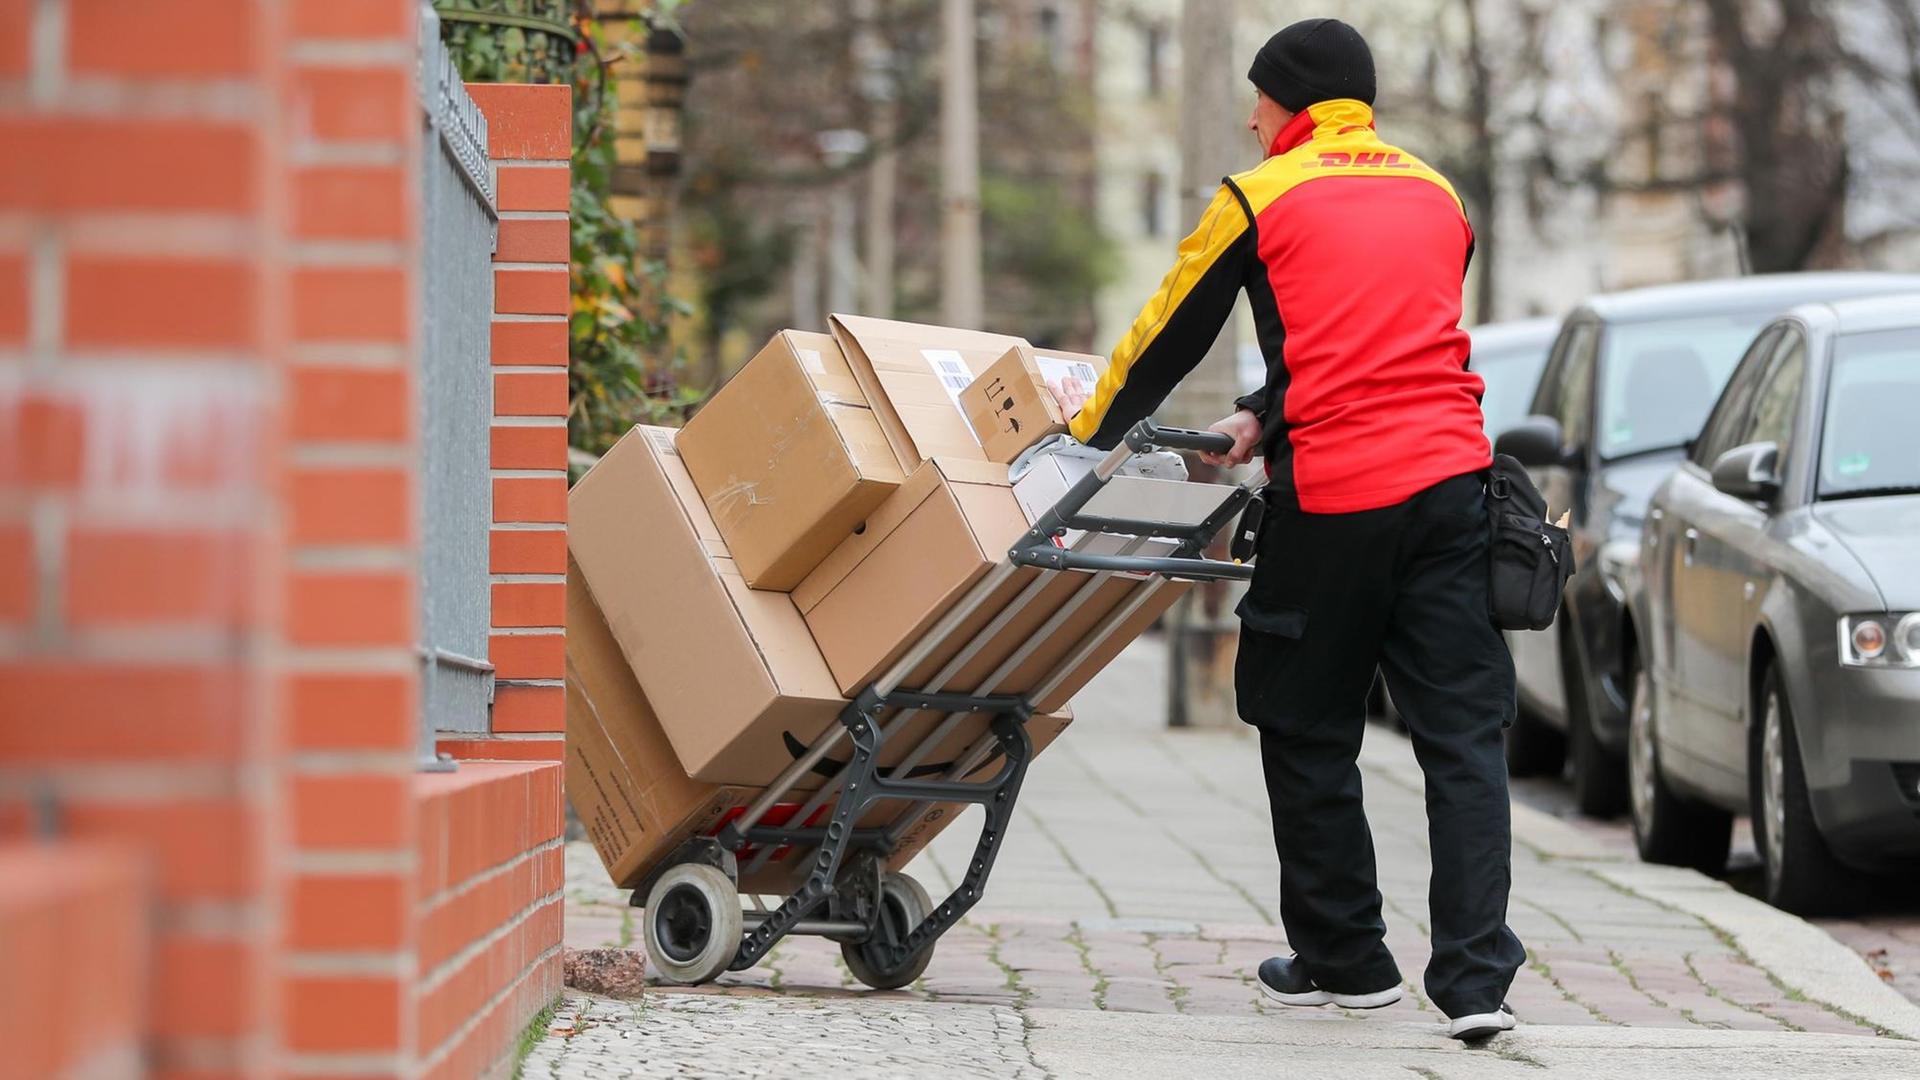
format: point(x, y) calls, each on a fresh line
point(138, 497)
point(530, 140)
point(206, 450)
point(347, 304)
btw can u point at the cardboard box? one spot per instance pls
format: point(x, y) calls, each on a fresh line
point(730, 670)
point(920, 553)
point(788, 458)
point(1027, 395)
point(623, 778)
point(626, 785)
point(882, 589)
point(914, 376)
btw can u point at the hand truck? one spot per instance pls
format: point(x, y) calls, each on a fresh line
point(694, 926)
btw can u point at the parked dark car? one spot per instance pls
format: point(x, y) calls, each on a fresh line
point(1509, 356)
point(1628, 384)
point(1777, 667)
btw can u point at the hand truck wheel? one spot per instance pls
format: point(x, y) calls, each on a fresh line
point(692, 923)
point(903, 904)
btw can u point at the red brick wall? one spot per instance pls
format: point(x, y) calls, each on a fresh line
point(529, 129)
point(490, 876)
point(145, 325)
point(73, 930)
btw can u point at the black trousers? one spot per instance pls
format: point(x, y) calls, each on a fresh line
point(1403, 589)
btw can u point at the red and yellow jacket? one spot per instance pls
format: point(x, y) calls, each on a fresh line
point(1351, 252)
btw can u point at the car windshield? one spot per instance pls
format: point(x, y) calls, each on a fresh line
point(1873, 394)
point(1660, 378)
point(1510, 374)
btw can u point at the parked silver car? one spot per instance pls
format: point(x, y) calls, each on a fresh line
point(1777, 665)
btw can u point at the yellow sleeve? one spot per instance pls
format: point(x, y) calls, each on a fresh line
point(1177, 325)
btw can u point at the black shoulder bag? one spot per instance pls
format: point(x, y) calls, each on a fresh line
point(1532, 557)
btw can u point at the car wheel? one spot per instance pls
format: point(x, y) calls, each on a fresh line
point(1534, 748)
point(1802, 876)
point(1667, 828)
point(1599, 778)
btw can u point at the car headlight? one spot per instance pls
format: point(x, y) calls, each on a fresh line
point(1877, 640)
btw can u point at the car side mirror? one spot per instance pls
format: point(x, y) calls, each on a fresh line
point(1536, 442)
point(1749, 472)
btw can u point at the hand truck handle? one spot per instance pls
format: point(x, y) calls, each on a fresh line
point(1147, 435)
point(1036, 548)
point(1192, 569)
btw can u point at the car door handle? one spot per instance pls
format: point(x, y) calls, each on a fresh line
point(1692, 538)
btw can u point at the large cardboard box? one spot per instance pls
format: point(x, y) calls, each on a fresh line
point(1027, 395)
point(732, 672)
point(623, 778)
point(881, 590)
point(788, 458)
point(914, 376)
point(918, 556)
point(637, 804)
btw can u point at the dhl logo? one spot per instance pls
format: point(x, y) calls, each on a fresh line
point(1338, 159)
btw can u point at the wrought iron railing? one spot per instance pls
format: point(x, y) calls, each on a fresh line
point(459, 226)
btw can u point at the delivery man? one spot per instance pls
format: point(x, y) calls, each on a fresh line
point(1351, 252)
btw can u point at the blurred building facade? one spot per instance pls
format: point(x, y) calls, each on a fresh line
point(1607, 139)
point(1137, 147)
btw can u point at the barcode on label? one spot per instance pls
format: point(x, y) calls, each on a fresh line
point(663, 440)
point(951, 368)
point(1057, 370)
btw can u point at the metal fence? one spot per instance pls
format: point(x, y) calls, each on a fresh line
point(459, 226)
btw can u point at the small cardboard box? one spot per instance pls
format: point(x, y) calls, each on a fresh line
point(920, 553)
point(1027, 395)
point(914, 376)
point(788, 458)
point(730, 670)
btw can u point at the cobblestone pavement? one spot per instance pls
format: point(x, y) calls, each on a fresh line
point(1139, 877)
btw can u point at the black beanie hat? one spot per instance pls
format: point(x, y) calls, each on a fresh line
point(1314, 60)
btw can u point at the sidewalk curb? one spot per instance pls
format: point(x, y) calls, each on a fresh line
point(1802, 957)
